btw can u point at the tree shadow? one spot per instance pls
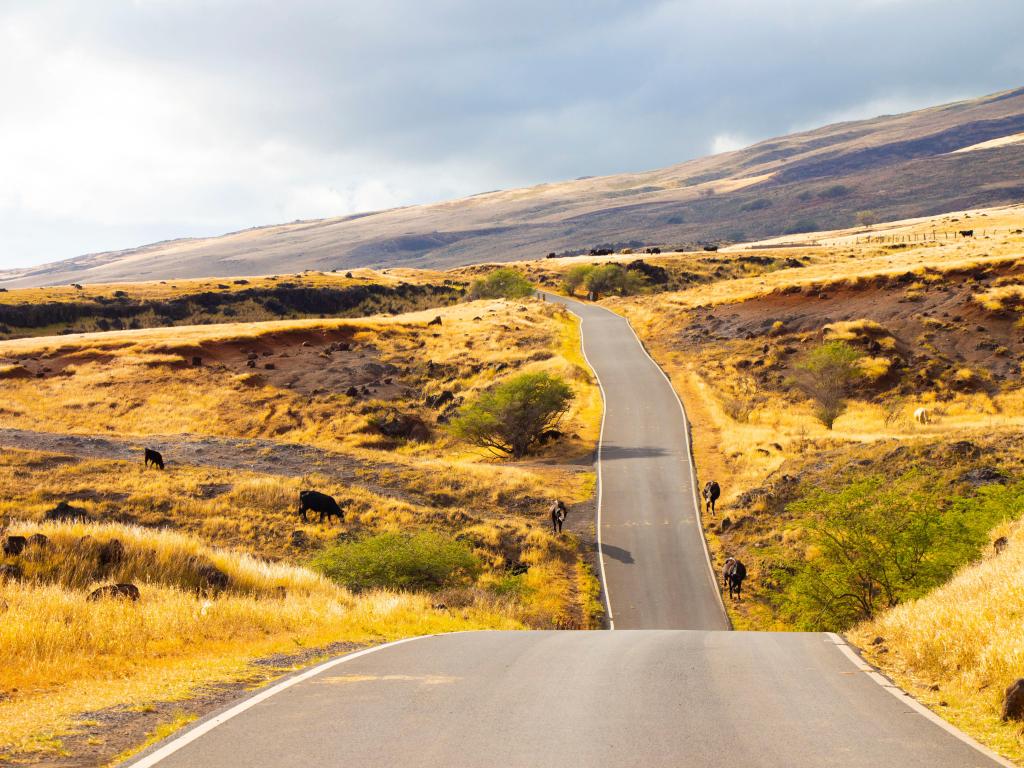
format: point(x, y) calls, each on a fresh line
point(613, 452)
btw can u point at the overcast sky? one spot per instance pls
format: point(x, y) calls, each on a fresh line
point(123, 123)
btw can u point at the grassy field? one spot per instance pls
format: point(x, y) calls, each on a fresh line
point(291, 388)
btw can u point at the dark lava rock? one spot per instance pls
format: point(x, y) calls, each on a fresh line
point(983, 476)
point(1013, 702)
point(119, 591)
point(66, 512)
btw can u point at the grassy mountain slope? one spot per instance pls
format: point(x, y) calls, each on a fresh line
point(899, 166)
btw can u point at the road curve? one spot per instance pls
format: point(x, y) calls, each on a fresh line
point(564, 699)
point(656, 570)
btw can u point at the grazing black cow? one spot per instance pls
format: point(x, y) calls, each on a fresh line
point(733, 575)
point(314, 501)
point(711, 492)
point(966, 233)
point(14, 545)
point(654, 250)
point(154, 458)
point(558, 513)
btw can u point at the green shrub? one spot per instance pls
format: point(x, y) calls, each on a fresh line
point(416, 561)
point(502, 283)
point(615, 279)
point(575, 277)
point(827, 375)
point(509, 418)
point(879, 541)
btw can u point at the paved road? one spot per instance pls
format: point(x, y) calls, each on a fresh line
point(680, 692)
point(655, 564)
point(564, 699)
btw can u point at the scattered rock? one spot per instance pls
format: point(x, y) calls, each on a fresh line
point(197, 361)
point(300, 539)
point(964, 449)
point(878, 641)
point(983, 476)
point(119, 591)
point(10, 572)
point(111, 553)
point(1000, 544)
point(435, 321)
point(404, 426)
point(725, 525)
point(14, 545)
point(352, 392)
point(436, 401)
point(269, 366)
point(38, 540)
point(211, 578)
point(67, 513)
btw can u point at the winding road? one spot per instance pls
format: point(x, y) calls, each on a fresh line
point(673, 689)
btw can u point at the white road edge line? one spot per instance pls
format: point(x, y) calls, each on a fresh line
point(600, 480)
point(186, 738)
point(913, 703)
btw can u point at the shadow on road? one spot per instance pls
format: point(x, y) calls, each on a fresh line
point(617, 553)
point(613, 452)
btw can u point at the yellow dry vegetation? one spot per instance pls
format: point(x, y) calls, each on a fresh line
point(61, 654)
point(958, 648)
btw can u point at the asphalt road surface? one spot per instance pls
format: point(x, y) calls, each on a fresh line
point(677, 691)
point(675, 698)
point(656, 570)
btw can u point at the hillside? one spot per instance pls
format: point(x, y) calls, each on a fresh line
point(899, 166)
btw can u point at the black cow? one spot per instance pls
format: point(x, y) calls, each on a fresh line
point(711, 492)
point(966, 233)
point(733, 575)
point(654, 250)
point(154, 458)
point(314, 501)
point(558, 513)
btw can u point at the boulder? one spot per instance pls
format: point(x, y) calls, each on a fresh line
point(10, 572)
point(116, 591)
point(403, 425)
point(655, 275)
point(65, 512)
point(1013, 702)
point(14, 545)
point(111, 553)
point(964, 449)
point(436, 401)
point(983, 476)
point(435, 321)
point(1000, 544)
point(38, 540)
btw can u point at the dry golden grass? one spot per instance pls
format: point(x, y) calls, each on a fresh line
point(61, 655)
point(965, 640)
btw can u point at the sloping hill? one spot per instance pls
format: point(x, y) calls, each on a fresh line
point(898, 166)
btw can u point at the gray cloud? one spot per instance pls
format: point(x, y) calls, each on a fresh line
point(126, 122)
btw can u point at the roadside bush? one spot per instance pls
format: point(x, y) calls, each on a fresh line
point(575, 277)
point(827, 375)
point(614, 279)
point(417, 561)
point(880, 541)
point(501, 284)
point(510, 418)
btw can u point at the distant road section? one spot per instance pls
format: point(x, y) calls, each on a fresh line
point(652, 547)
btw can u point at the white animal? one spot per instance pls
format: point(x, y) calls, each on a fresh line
point(923, 416)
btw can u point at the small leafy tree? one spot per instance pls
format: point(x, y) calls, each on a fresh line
point(866, 218)
point(576, 277)
point(881, 540)
point(502, 283)
point(828, 374)
point(615, 279)
point(509, 418)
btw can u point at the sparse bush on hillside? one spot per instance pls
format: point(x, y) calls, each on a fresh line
point(510, 418)
point(418, 561)
point(827, 375)
point(866, 218)
point(758, 204)
point(801, 226)
point(614, 279)
point(575, 277)
point(501, 284)
point(835, 191)
point(880, 541)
